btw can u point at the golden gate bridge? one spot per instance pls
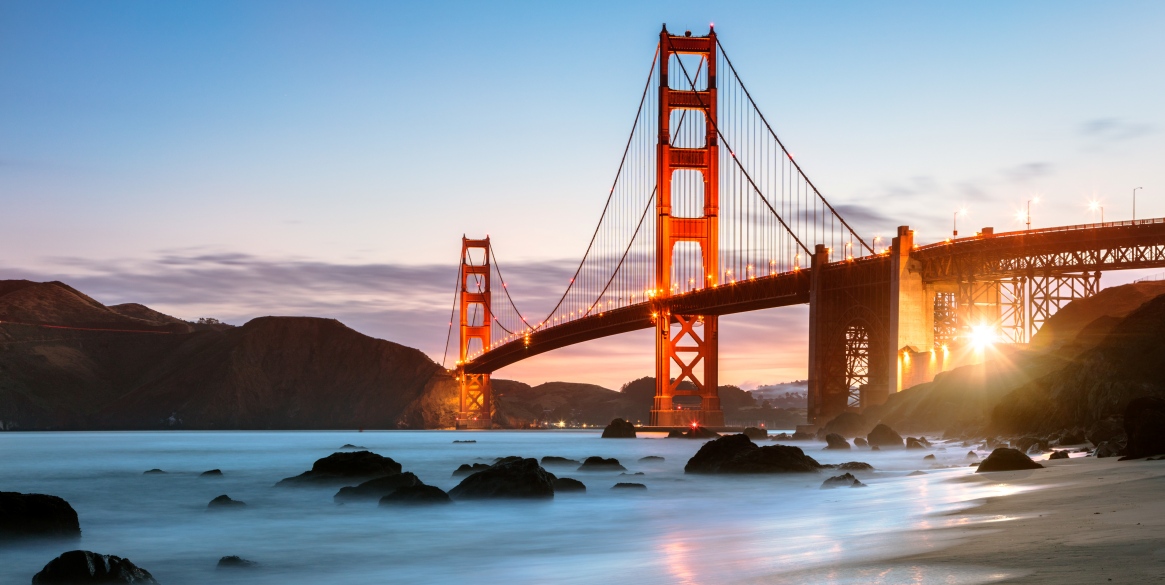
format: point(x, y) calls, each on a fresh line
point(709, 214)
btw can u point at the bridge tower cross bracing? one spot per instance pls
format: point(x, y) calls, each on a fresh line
point(692, 347)
point(476, 404)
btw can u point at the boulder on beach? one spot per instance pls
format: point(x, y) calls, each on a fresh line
point(860, 442)
point(521, 479)
point(211, 473)
point(1007, 459)
point(419, 494)
point(912, 443)
point(836, 441)
point(855, 466)
point(374, 489)
point(78, 567)
point(235, 562)
point(469, 468)
point(566, 484)
point(884, 436)
point(1109, 448)
point(651, 459)
point(23, 515)
point(1058, 455)
point(345, 466)
point(738, 454)
point(844, 480)
point(224, 502)
point(628, 486)
point(1145, 427)
point(601, 464)
point(619, 429)
point(552, 460)
point(1030, 445)
point(755, 433)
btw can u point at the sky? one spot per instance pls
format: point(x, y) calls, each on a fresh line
point(241, 159)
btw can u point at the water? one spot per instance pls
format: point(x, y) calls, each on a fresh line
point(682, 529)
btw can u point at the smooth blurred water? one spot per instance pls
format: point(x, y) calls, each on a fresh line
point(682, 529)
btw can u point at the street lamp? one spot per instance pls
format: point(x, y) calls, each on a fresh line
point(1135, 203)
point(1095, 205)
point(1029, 211)
point(955, 222)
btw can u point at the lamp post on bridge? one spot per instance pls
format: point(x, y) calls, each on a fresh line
point(1135, 203)
point(1029, 211)
point(1095, 205)
point(963, 211)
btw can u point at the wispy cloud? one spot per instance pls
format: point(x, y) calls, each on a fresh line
point(1114, 130)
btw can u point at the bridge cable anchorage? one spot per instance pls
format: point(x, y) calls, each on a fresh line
point(785, 150)
point(452, 311)
point(716, 126)
point(610, 195)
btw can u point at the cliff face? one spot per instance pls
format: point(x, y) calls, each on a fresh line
point(73, 363)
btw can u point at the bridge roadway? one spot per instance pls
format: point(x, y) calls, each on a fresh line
point(1080, 248)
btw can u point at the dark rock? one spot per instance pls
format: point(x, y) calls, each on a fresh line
point(24, 515)
point(931, 457)
point(1058, 455)
point(512, 479)
point(1071, 437)
point(675, 434)
point(847, 424)
point(153, 472)
point(884, 436)
point(343, 467)
point(855, 466)
point(351, 446)
point(971, 455)
point(915, 473)
point(860, 442)
point(801, 436)
point(507, 459)
point(651, 459)
point(845, 480)
point(469, 441)
point(771, 459)
point(781, 437)
point(912, 443)
point(755, 433)
point(1007, 459)
point(600, 464)
point(1030, 445)
point(551, 460)
point(696, 432)
point(81, 566)
point(224, 502)
point(1145, 427)
point(566, 484)
point(1105, 430)
point(636, 473)
point(625, 486)
point(875, 448)
point(211, 473)
point(714, 453)
point(836, 441)
point(1110, 448)
point(235, 562)
point(469, 468)
point(374, 489)
point(419, 494)
point(619, 429)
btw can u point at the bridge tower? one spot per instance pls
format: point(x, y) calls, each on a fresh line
point(476, 317)
point(688, 342)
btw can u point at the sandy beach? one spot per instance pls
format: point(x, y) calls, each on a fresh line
point(1081, 520)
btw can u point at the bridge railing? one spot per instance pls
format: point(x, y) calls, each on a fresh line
point(1057, 229)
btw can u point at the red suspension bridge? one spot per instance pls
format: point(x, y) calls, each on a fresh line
point(709, 215)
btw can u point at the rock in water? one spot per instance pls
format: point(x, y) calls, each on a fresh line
point(713, 454)
point(36, 515)
point(931, 456)
point(1007, 459)
point(523, 479)
point(551, 460)
point(771, 459)
point(211, 473)
point(235, 562)
point(836, 441)
point(884, 436)
point(566, 484)
point(224, 502)
point(81, 566)
point(153, 472)
point(972, 455)
point(845, 480)
point(467, 469)
point(651, 459)
point(1145, 427)
point(619, 429)
point(915, 473)
point(756, 434)
point(860, 442)
point(912, 443)
point(1058, 455)
point(855, 466)
point(628, 486)
point(345, 466)
point(374, 489)
point(416, 494)
point(600, 464)
point(351, 446)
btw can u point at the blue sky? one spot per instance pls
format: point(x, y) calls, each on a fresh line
point(236, 159)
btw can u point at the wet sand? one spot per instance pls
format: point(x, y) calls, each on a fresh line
point(1087, 521)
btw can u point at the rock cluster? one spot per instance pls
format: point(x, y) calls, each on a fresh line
point(738, 454)
point(81, 566)
point(521, 478)
point(345, 466)
point(844, 480)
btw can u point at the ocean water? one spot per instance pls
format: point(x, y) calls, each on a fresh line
point(682, 529)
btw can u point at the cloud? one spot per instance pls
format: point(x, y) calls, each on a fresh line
point(1027, 172)
point(1114, 130)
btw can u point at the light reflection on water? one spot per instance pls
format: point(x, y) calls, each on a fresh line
point(683, 529)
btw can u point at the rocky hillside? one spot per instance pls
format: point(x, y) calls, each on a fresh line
point(70, 362)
